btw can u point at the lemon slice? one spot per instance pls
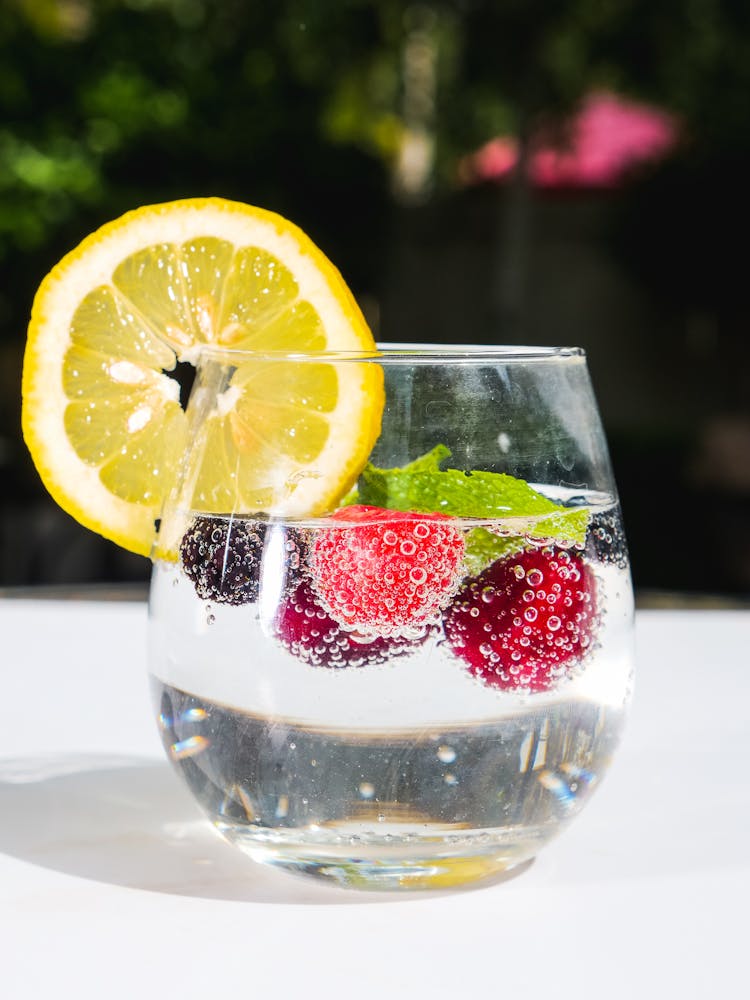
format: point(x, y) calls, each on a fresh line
point(104, 423)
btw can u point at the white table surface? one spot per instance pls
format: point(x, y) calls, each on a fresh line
point(112, 885)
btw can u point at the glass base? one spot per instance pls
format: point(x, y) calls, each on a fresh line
point(389, 867)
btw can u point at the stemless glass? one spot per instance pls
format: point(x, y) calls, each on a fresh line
point(415, 681)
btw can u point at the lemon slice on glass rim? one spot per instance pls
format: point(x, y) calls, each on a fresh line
point(103, 420)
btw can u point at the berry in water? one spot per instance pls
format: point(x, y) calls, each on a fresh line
point(383, 570)
point(312, 636)
point(226, 557)
point(526, 620)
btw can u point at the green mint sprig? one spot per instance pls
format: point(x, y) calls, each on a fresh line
point(424, 486)
point(484, 547)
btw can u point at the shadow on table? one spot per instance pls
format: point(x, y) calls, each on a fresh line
point(127, 821)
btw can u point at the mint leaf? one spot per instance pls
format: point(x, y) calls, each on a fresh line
point(567, 523)
point(483, 547)
point(386, 487)
point(423, 486)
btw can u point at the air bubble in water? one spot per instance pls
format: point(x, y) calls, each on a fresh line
point(446, 754)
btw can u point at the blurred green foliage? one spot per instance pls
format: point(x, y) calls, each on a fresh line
point(341, 114)
point(107, 105)
point(318, 109)
point(305, 105)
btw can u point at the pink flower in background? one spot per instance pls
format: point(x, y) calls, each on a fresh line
point(604, 141)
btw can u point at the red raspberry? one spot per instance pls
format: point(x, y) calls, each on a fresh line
point(384, 570)
point(311, 635)
point(525, 620)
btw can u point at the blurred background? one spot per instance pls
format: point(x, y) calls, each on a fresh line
point(534, 171)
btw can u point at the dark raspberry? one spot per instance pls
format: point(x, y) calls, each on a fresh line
point(311, 635)
point(526, 620)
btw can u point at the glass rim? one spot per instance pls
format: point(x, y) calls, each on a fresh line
point(394, 353)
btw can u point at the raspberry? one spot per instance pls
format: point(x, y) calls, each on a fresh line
point(384, 570)
point(311, 635)
point(223, 557)
point(526, 620)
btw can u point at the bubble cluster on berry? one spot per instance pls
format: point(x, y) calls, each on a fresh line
point(607, 539)
point(309, 633)
point(224, 557)
point(525, 621)
point(385, 570)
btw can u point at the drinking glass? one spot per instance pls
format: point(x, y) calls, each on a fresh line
point(417, 681)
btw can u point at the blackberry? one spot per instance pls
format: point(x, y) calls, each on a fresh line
point(225, 558)
point(606, 539)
